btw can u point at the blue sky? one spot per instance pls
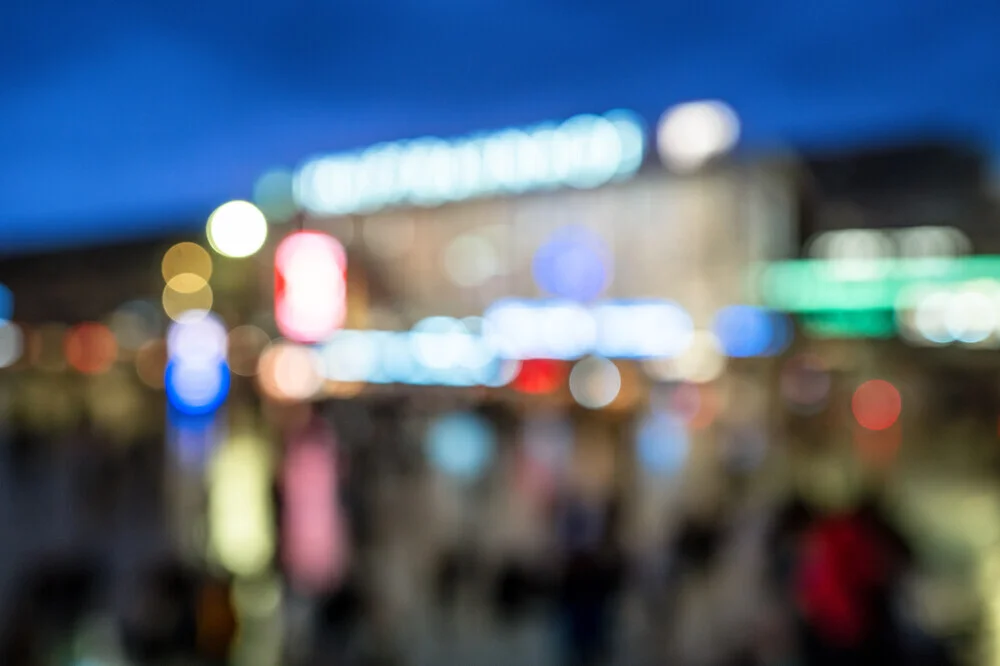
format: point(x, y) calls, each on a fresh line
point(126, 119)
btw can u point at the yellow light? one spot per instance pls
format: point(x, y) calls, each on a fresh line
point(240, 514)
point(187, 283)
point(176, 303)
point(237, 229)
point(186, 258)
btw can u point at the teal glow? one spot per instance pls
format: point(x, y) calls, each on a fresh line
point(816, 285)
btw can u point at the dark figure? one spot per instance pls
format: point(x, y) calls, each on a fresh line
point(519, 587)
point(588, 593)
point(845, 587)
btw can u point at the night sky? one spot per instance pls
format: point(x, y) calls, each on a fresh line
point(122, 119)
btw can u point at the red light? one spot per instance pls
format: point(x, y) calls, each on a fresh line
point(91, 348)
point(538, 376)
point(876, 404)
point(695, 404)
point(310, 286)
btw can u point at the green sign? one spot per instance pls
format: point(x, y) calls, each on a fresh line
point(850, 324)
point(816, 285)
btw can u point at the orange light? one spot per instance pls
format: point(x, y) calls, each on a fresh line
point(151, 363)
point(876, 404)
point(91, 348)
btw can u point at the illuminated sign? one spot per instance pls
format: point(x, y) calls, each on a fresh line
point(584, 152)
point(310, 288)
point(814, 285)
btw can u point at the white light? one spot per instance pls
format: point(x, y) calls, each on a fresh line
point(595, 382)
point(350, 356)
point(470, 260)
point(568, 331)
point(290, 371)
point(931, 317)
point(197, 337)
point(640, 329)
point(971, 316)
point(689, 135)
point(11, 343)
point(237, 229)
point(703, 361)
point(584, 152)
point(440, 343)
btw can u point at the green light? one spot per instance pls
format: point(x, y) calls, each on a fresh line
point(850, 324)
point(815, 285)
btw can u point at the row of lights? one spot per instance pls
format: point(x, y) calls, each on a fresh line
point(966, 314)
point(642, 329)
point(584, 152)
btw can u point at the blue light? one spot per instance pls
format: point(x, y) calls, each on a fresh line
point(573, 263)
point(662, 443)
point(783, 334)
point(6, 303)
point(196, 388)
point(460, 445)
point(746, 331)
point(192, 438)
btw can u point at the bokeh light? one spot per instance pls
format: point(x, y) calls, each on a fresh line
point(274, 196)
point(197, 337)
point(876, 404)
point(196, 388)
point(6, 303)
point(594, 382)
point(538, 376)
point(703, 360)
point(313, 543)
point(470, 260)
point(151, 363)
point(11, 343)
point(91, 348)
point(186, 258)
point(240, 513)
point(574, 263)
point(805, 384)
point(745, 331)
point(585, 151)
point(290, 372)
point(460, 444)
point(310, 294)
point(135, 323)
point(691, 134)
point(196, 376)
point(662, 443)
point(176, 303)
point(237, 229)
point(642, 328)
point(350, 356)
point(245, 345)
point(45, 347)
point(696, 404)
